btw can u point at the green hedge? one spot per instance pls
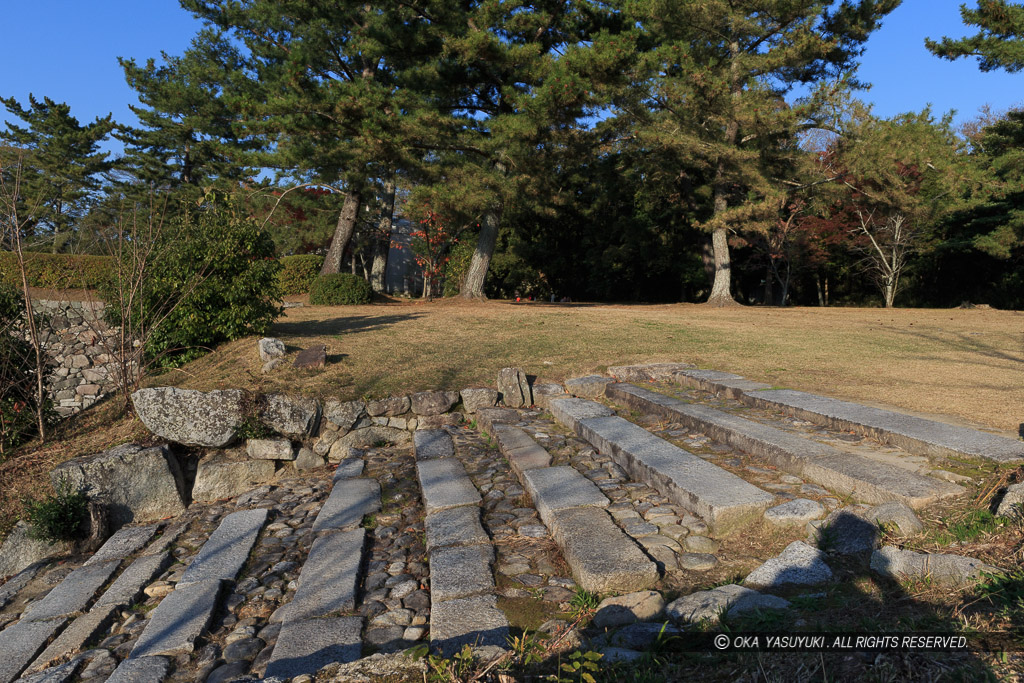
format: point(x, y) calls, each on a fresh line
point(338, 289)
point(298, 272)
point(57, 271)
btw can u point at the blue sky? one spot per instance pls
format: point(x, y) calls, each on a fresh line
point(68, 49)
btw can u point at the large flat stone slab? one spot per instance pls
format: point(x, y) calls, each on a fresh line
point(141, 670)
point(475, 621)
point(432, 443)
point(125, 542)
point(74, 593)
point(560, 488)
point(847, 474)
point(591, 386)
point(457, 526)
point(719, 383)
point(723, 500)
point(487, 418)
point(445, 484)
point(710, 605)
point(944, 569)
point(459, 572)
point(349, 502)
point(329, 579)
point(62, 673)
point(191, 417)
point(602, 558)
point(179, 619)
point(569, 411)
point(898, 429)
point(349, 468)
point(83, 629)
point(227, 549)
point(139, 574)
point(220, 476)
point(22, 642)
point(305, 647)
point(519, 448)
point(647, 371)
point(799, 564)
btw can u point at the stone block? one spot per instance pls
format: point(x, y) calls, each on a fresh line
point(191, 417)
point(559, 488)
point(270, 449)
point(647, 372)
point(569, 411)
point(543, 394)
point(127, 541)
point(270, 348)
point(137, 484)
point(389, 407)
point(329, 579)
point(219, 476)
point(433, 443)
point(179, 619)
point(70, 641)
point(615, 564)
point(313, 358)
point(488, 418)
point(368, 437)
point(710, 605)
point(22, 642)
point(433, 402)
point(626, 609)
point(458, 526)
point(227, 549)
point(305, 647)
point(342, 415)
point(141, 670)
point(21, 551)
point(474, 621)
point(459, 572)
point(294, 416)
point(306, 460)
point(795, 512)
point(591, 386)
point(445, 484)
point(350, 500)
point(514, 388)
point(74, 593)
point(799, 564)
point(476, 399)
point(139, 574)
point(348, 469)
point(943, 569)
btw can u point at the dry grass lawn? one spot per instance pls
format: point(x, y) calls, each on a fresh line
point(967, 364)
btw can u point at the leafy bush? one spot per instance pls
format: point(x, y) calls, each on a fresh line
point(337, 289)
point(58, 517)
point(298, 272)
point(211, 278)
point(58, 271)
point(18, 417)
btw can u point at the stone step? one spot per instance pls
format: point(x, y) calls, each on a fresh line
point(180, 618)
point(723, 500)
point(227, 549)
point(350, 500)
point(474, 621)
point(911, 433)
point(74, 593)
point(148, 669)
point(304, 647)
point(522, 452)
point(847, 474)
point(329, 580)
point(616, 563)
point(432, 443)
point(20, 643)
point(458, 526)
point(445, 484)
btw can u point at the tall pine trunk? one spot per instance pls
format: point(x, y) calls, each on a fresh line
point(473, 285)
point(382, 245)
point(720, 290)
point(343, 232)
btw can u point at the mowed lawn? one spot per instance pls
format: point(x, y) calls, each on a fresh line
point(966, 364)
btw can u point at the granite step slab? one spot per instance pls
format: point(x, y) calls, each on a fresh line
point(128, 586)
point(847, 474)
point(722, 499)
point(126, 541)
point(62, 673)
point(350, 500)
point(432, 443)
point(141, 670)
point(9, 591)
point(458, 526)
point(167, 538)
point(459, 572)
point(329, 579)
point(20, 643)
point(474, 621)
point(602, 557)
point(647, 372)
point(304, 647)
point(719, 383)
point(180, 618)
point(74, 593)
point(70, 641)
point(227, 549)
point(519, 448)
point(445, 484)
point(911, 433)
point(569, 411)
point(559, 488)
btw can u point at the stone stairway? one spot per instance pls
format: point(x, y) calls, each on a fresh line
point(665, 468)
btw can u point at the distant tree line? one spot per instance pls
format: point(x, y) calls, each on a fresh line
point(648, 150)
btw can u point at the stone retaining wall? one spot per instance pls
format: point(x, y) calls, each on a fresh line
point(79, 345)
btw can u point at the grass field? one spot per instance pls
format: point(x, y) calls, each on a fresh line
point(967, 364)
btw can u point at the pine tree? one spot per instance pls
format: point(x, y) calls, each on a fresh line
point(63, 166)
point(711, 82)
point(999, 44)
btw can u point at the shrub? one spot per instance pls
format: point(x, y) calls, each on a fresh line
point(298, 272)
point(337, 289)
point(212, 278)
point(58, 517)
point(18, 417)
point(58, 271)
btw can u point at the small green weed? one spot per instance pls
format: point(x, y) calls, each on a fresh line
point(968, 527)
point(581, 667)
point(58, 517)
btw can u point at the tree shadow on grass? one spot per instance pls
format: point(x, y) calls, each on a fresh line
point(339, 325)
